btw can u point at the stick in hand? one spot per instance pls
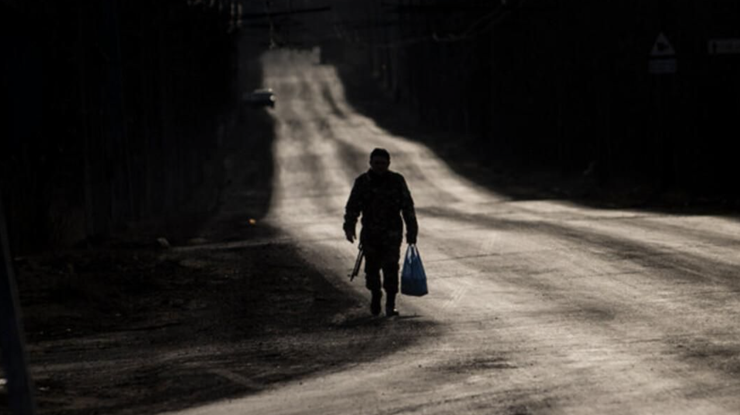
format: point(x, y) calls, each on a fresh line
point(358, 262)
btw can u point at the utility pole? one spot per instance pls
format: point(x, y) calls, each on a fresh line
point(20, 392)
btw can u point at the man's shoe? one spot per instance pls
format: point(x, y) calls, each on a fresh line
point(390, 306)
point(375, 302)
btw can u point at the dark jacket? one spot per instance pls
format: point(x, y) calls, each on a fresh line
point(382, 200)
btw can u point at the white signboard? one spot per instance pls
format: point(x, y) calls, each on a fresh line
point(662, 66)
point(724, 46)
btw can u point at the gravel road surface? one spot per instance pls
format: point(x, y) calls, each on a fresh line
point(544, 306)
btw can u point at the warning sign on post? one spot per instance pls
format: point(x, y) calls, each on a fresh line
point(662, 47)
point(662, 57)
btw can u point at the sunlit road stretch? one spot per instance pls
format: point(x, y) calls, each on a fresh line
point(545, 307)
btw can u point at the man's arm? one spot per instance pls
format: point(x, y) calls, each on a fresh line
point(408, 213)
point(352, 211)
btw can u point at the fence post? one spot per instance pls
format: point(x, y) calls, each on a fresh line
point(20, 392)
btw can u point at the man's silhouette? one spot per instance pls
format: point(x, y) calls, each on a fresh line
point(382, 198)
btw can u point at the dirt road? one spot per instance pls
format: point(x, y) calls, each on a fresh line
point(544, 306)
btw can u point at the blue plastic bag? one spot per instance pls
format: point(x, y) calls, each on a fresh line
point(413, 276)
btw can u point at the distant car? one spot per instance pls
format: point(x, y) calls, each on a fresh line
point(260, 97)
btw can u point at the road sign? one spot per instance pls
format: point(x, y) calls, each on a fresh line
point(724, 46)
point(662, 47)
point(662, 57)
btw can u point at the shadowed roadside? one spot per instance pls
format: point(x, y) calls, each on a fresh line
point(129, 327)
point(471, 158)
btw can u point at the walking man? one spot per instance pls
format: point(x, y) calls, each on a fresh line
point(382, 198)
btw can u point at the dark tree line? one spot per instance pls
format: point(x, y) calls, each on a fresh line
point(112, 111)
point(564, 84)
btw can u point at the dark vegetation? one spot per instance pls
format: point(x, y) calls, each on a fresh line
point(562, 87)
point(115, 112)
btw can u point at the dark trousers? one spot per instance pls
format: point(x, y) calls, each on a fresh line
point(383, 257)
